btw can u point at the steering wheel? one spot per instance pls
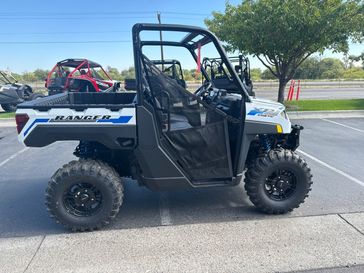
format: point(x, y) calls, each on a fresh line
point(203, 89)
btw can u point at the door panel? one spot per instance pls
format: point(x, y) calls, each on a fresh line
point(197, 134)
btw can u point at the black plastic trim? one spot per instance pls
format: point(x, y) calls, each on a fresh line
point(108, 135)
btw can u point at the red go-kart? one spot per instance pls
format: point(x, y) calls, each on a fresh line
point(79, 75)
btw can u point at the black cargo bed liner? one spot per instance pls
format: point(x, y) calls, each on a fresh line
point(81, 101)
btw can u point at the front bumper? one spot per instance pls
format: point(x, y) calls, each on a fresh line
point(293, 139)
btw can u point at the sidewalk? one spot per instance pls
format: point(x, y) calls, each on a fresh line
point(270, 245)
point(325, 114)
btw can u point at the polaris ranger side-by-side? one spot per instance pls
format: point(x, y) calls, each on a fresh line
point(171, 68)
point(219, 75)
point(166, 138)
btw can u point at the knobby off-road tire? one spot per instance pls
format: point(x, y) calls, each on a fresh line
point(36, 96)
point(278, 182)
point(84, 195)
point(9, 107)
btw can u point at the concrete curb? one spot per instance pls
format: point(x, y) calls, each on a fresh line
point(326, 114)
point(7, 122)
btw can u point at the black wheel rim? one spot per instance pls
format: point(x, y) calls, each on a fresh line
point(82, 200)
point(280, 185)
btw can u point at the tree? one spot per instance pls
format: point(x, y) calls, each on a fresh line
point(267, 75)
point(40, 74)
point(128, 73)
point(187, 75)
point(354, 73)
point(327, 68)
point(256, 74)
point(113, 73)
point(283, 33)
point(331, 68)
point(29, 77)
point(309, 69)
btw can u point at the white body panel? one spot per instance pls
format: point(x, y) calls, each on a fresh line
point(101, 116)
point(258, 110)
point(266, 111)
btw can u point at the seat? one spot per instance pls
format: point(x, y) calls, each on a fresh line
point(162, 87)
point(179, 122)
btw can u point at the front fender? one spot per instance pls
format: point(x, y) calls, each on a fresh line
point(293, 139)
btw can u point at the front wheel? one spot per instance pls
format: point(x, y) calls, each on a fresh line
point(84, 195)
point(278, 182)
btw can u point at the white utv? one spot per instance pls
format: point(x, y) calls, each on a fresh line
point(166, 137)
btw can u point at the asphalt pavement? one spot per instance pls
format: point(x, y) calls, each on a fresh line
point(201, 230)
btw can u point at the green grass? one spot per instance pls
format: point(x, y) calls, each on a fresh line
point(322, 105)
point(7, 115)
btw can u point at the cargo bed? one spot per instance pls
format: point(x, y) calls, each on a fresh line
point(106, 118)
point(81, 101)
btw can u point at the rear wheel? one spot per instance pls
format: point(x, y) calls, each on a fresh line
point(84, 195)
point(36, 96)
point(278, 182)
point(9, 107)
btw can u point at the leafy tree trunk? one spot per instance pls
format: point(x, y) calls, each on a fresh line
point(282, 87)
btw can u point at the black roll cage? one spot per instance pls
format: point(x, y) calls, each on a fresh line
point(170, 62)
point(5, 78)
point(186, 42)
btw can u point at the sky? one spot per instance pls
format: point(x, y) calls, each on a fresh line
point(37, 34)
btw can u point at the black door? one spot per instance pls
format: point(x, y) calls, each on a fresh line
point(194, 134)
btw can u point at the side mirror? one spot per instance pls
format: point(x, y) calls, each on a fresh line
point(237, 68)
point(130, 84)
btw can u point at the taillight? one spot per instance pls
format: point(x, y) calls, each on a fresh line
point(21, 120)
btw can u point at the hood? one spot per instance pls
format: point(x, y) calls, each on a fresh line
point(262, 107)
point(265, 102)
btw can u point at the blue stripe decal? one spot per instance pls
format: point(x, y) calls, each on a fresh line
point(38, 120)
point(255, 112)
point(120, 120)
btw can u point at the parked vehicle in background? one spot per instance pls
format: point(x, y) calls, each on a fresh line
point(172, 68)
point(79, 75)
point(12, 93)
point(219, 75)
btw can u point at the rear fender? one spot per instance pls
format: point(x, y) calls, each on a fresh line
point(114, 129)
point(9, 94)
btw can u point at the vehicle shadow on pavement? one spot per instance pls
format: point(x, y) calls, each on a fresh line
point(144, 208)
point(23, 212)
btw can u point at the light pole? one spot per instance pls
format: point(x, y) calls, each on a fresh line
point(161, 39)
